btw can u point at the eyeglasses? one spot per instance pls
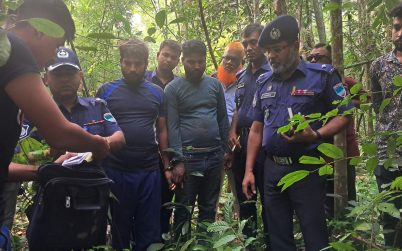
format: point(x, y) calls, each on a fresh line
point(316, 57)
point(276, 49)
point(234, 60)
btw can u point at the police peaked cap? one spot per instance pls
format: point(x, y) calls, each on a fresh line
point(282, 28)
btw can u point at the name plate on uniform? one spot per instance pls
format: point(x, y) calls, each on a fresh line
point(268, 95)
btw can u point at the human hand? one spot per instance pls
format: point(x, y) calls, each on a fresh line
point(227, 161)
point(234, 140)
point(178, 173)
point(248, 185)
point(307, 135)
point(169, 177)
point(102, 148)
point(64, 157)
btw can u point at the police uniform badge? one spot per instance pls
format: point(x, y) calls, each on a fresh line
point(254, 101)
point(266, 114)
point(62, 54)
point(109, 117)
point(340, 90)
point(275, 33)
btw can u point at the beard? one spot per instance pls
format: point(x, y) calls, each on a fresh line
point(226, 77)
point(279, 68)
point(398, 45)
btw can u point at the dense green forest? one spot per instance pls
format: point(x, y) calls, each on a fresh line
point(365, 35)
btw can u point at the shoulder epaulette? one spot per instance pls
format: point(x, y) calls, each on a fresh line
point(240, 73)
point(264, 77)
point(328, 68)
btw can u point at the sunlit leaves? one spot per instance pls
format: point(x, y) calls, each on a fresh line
point(330, 150)
point(160, 18)
point(47, 27)
point(390, 209)
point(326, 170)
point(370, 149)
point(292, 178)
point(101, 35)
point(397, 184)
point(311, 160)
point(5, 48)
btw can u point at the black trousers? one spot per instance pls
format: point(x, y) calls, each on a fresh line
point(394, 238)
point(248, 210)
point(305, 197)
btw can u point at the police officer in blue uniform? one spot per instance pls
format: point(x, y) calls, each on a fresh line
point(292, 87)
point(242, 120)
point(64, 78)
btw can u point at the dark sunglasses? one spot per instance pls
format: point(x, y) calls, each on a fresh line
point(316, 57)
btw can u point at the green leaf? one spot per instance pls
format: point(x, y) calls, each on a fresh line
point(224, 240)
point(330, 150)
point(363, 226)
point(187, 244)
point(397, 184)
point(397, 91)
point(13, 5)
point(355, 161)
point(242, 224)
point(160, 18)
point(284, 128)
point(185, 228)
point(370, 149)
point(390, 209)
point(311, 160)
point(314, 115)
point(149, 39)
point(373, 4)
point(218, 226)
point(302, 126)
point(326, 170)
point(200, 247)
point(342, 246)
point(356, 88)
point(46, 26)
point(384, 104)
point(87, 48)
point(397, 81)
point(101, 35)
point(291, 178)
point(371, 164)
point(155, 247)
point(331, 6)
point(151, 31)
point(178, 20)
point(249, 241)
point(5, 48)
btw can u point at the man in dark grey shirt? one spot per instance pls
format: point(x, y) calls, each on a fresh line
point(197, 130)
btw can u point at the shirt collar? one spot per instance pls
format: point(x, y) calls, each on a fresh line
point(265, 67)
point(82, 102)
point(391, 57)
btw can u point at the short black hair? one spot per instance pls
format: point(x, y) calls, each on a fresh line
point(396, 12)
point(251, 28)
point(174, 45)
point(323, 45)
point(134, 47)
point(53, 10)
point(194, 46)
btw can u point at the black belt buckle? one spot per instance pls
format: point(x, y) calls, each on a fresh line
point(283, 161)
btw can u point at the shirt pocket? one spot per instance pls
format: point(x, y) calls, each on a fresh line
point(303, 104)
point(270, 110)
point(94, 129)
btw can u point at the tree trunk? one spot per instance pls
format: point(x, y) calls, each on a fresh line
point(280, 7)
point(340, 167)
point(257, 14)
point(204, 26)
point(319, 19)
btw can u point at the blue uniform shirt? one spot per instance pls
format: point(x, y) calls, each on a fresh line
point(89, 113)
point(136, 110)
point(317, 87)
point(246, 87)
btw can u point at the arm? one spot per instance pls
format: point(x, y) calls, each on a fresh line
point(161, 131)
point(233, 138)
point(41, 110)
point(253, 147)
point(173, 123)
point(223, 121)
point(116, 141)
